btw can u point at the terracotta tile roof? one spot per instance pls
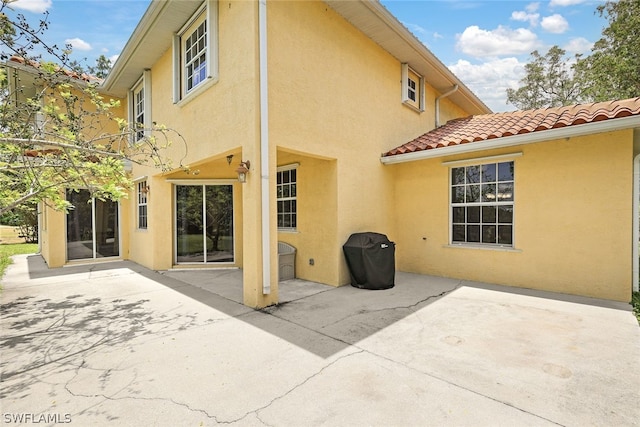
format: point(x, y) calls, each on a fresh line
point(500, 125)
point(69, 73)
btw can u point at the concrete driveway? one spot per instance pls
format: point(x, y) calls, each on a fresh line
point(117, 344)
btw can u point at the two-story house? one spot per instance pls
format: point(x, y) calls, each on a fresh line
point(331, 114)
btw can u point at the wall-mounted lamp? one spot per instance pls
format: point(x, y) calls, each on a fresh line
point(243, 170)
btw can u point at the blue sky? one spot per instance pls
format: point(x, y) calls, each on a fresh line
point(485, 43)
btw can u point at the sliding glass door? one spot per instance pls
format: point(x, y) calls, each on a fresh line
point(204, 224)
point(92, 227)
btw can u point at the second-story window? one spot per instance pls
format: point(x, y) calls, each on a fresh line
point(138, 111)
point(412, 88)
point(140, 107)
point(195, 52)
point(195, 56)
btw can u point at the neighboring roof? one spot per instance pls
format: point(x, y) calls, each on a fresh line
point(495, 130)
point(154, 35)
point(28, 65)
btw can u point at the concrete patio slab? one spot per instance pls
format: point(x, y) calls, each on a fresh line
point(118, 344)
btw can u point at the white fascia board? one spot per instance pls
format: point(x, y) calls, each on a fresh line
point(515, 140)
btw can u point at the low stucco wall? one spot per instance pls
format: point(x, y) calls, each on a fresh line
point(572, 219)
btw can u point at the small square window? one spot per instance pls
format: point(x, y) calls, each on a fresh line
point(412, 88)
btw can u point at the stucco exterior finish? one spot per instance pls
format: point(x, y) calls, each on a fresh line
point(572, 219)
point(334, 105)
point(335, 98)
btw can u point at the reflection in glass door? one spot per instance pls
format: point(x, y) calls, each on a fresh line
point(92, 227)
point(204, 224)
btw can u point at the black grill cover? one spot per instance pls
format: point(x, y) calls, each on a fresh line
point(371, 260)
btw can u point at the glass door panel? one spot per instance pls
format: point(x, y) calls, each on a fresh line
point(92, 227)
point(219, 223)
point(79, 225)
point(189, 224)
point(106, 225)
point(204, 224)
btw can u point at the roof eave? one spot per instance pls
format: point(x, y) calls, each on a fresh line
point(516, 140)
point(158, 24)
point(444, 78)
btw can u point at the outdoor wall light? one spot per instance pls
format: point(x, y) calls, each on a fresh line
point(243, 170)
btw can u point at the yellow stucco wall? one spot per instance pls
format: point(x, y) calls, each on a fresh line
point(212, 123)
point(221, 119)
point(336, 94)
point(314, 238)
point(334, 106)
point(572, 219)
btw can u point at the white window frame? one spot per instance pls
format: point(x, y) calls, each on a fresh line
point(507, 201)
point(143, 85)
point(204, 183)
point(142, 211)
point(413, 92)
point(207, 13)
point(280, 191)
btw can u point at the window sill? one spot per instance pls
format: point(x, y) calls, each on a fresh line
point(188, 97)
point(412, 107)
point(483, 247)
point(288, 230)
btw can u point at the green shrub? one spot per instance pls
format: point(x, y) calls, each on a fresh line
point(635, 303)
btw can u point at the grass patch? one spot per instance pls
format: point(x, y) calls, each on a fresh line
point(635, 303)
point(7, 251)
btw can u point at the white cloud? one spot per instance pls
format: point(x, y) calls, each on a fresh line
point(521, 15)
point(36, 6)
point(437, 35)
point(528, 14)
point(553, 3)
point(113, 58)
point(532, 7)
point(490, 80)
point(78, 44)
point(578, 45)
point(555, 24)
point(502, 41)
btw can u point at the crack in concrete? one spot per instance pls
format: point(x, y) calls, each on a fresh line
point(123, 389)
point(362, 350)
point(402, 307)
point(295, 387)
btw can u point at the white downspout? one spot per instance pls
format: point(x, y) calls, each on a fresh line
point(636, 222)
point(444, 95)
point(264, 150)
